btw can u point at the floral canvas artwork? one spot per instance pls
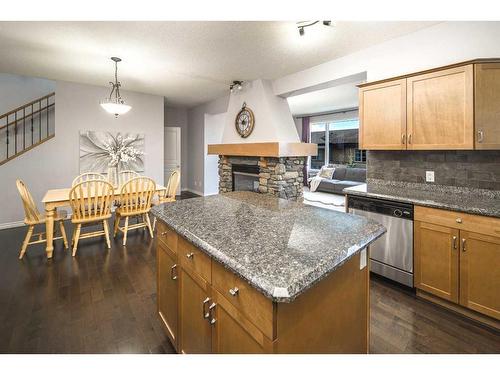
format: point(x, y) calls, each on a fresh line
point(100, 151)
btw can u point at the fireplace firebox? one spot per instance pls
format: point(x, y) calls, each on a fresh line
point(245, 177)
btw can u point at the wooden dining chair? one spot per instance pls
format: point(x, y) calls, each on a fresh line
point(169, 195)
point(91, 203)
point(88, 176)
point(136, 196)
point(33, 217)
point(125, 176)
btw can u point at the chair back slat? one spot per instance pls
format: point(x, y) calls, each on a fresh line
point(31, 213)
point(173, 183)
point(87, 177)
point(125, 176)
point(91, 200)
point(136, 195)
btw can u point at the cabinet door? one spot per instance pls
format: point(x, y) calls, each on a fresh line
point(382, 116)
point(480, 273)
point(168, 291)
point(194, 328)
point(436, 260)
point(441, 110)
point(233, 333)
point(487, 108)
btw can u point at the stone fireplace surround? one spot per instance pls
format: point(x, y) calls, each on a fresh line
point(278, 176)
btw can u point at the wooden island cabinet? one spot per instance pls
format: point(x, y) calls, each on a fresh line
point(206, 308)
point(457, 259)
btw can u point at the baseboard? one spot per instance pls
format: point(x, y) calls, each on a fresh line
point(194, 191)
point(14, 224)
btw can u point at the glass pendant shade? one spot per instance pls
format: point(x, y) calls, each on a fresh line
point(115, 107)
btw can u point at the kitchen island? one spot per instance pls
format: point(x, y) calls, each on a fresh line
point(249, 273)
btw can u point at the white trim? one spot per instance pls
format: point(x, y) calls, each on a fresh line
point(195, 192)
point(13, 224)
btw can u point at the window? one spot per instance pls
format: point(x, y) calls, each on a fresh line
point(337, 138)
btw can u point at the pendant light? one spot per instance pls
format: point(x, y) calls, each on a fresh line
point(114, 104)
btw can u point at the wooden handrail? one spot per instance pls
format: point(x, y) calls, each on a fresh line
point(27, 105)
point(20, 119)
point(19, 116)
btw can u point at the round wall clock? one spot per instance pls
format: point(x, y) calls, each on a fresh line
point(245, 121)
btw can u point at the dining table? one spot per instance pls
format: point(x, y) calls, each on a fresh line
point(56, 198)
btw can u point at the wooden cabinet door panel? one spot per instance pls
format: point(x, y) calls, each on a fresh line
point(487, 108)
point(480, 273)
point(382, 116)
point(440, 111)
point(194, 330)
point(168, 291)
point(233, 333)
point(436, 260)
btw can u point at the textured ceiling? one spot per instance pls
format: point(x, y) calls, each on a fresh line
point(187, 62)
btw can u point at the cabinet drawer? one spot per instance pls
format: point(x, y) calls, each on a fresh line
point(451, 219)
point(166, 235)
point(251, 303)
point(194, 259)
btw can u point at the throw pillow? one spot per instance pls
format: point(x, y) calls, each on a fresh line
point(326, 172)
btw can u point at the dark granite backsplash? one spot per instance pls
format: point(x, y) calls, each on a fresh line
point(474, 169)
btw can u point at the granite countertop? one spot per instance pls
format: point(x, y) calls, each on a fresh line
point(280, 247)
point(468, 200)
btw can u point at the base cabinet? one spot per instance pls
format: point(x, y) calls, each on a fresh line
point(219, 312)
point(168, 287)
point(480, 273)
point(436, 260)
point(195, 328)
point(233, 333)
point(457, 263)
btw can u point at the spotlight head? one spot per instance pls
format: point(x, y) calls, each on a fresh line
point(301, 31)
point(327, 23)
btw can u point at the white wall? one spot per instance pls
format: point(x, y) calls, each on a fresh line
point(442, 44)
point(214, 127)
point(54, 164)
point(273, 119)
point(196, 125)
point(178, 117)
point(18, 90)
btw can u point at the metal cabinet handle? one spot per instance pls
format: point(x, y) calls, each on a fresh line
point(403, 138)
point(211, 310)
point(463, 245)
point(409, 139)
point(164, 233)
point(459, 220)
point(172, 269)
point(455, 242)
point(204, 308)
point(480, 136)
point(190, 255)
point(234, 291)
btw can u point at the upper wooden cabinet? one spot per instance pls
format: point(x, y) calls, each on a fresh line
point(487, 107)
point(440, 110)
point(382, 111)
point(448, 108)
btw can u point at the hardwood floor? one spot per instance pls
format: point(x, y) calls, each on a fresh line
point(103, 301)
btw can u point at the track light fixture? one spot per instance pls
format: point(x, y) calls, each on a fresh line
point(303, 24)
point(236, 85)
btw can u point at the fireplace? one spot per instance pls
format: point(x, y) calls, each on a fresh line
point(278, 176)
point(245, 177)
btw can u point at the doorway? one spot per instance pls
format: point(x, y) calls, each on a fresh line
point(172, 154)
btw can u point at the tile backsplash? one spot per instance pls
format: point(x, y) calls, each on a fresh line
point(475, 169)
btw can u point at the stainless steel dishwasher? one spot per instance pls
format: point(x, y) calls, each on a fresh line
point(392, 254)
